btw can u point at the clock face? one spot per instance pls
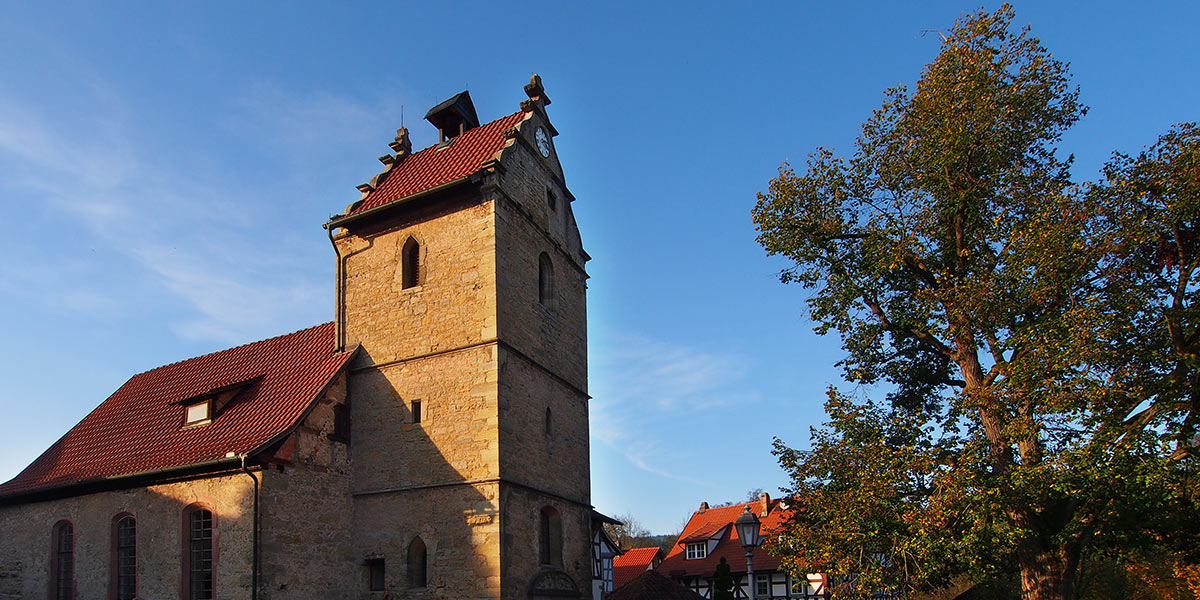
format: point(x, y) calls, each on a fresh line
point(543, 142)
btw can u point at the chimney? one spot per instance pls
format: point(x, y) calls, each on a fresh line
point(703, 507)
point(764, 506)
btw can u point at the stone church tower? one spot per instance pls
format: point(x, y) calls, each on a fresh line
point(461, 281)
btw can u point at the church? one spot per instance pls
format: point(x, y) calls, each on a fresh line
point(429, 442)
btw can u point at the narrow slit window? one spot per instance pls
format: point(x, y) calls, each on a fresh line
point(410, 264)
point(416, 411)
point(548, 421)
point(545, 280)
point(551, 200)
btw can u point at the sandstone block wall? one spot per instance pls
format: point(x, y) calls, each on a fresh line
point(455, 303)
point(26, 542)
point(307, 511)
point(460, 527)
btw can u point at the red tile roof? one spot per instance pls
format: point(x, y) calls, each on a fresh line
point(439, 164)
point(652, 585)
point(676, 563)
point(139, 428)
point(634, 562)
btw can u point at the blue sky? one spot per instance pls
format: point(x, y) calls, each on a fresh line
point(167, 168)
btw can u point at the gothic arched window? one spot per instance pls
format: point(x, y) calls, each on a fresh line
point(198, 553)
point(545, 280)
point(550, 537)
point(410, 264)
point(62, 561)
point(124, 565)
point(418, 564)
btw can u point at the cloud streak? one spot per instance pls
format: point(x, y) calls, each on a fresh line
point(186, 237)
point(647, 394)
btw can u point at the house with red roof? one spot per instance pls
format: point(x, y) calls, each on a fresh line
point(634, 562)
point(429, 442)
point(710, 536)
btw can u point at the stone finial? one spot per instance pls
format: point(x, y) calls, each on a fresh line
point(402, 145)
point(536, 91)
point(535, 87)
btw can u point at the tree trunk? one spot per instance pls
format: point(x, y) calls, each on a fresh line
point(1046, 574)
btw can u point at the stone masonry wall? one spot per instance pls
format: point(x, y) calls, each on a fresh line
point(307, 514)
point(554, 334)
point(159, 510)
point(453, 306)
point(521, 509)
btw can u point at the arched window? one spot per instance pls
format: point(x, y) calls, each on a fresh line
point(418, 564)
point(62, 561)
point(545, 280)
point(198, 554)
point(550, 537)
point(124, 565)
point(410, 264)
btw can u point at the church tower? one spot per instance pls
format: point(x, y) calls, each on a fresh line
point(461, 279)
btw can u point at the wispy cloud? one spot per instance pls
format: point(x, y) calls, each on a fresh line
point(196, 239)
point(646, 393)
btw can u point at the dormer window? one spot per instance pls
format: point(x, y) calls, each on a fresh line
point(197, 413)
point(697, 550)
point(201, 409)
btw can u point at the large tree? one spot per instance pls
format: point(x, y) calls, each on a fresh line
point(979, 291)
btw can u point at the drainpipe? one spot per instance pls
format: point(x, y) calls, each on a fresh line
point(339, 335)
point(254, 536)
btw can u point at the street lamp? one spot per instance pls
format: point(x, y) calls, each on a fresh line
point(748, 526)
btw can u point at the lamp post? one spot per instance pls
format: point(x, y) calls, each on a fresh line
point(747, 528)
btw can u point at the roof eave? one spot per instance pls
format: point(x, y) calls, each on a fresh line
point(344, 220)
point(116, 482)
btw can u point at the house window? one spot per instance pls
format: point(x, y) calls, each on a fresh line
point(416, 411)
point(197, 413)
point(198, 555)
point(375, 579)
point(62, 565)
point(545, 280)
point(550, 537)
point(125, 567)
point(606, 573)
point(763, 586)
point(697, 550)
point(410, 264)
point(417, 563)
point(799, 585)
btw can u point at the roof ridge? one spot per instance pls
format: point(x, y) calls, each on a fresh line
point(214, 352)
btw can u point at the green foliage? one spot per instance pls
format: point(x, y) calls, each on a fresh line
point(1038, 353)
point(723, 582)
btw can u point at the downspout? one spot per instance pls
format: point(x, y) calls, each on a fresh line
point(339, 335)
point(254, 561)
